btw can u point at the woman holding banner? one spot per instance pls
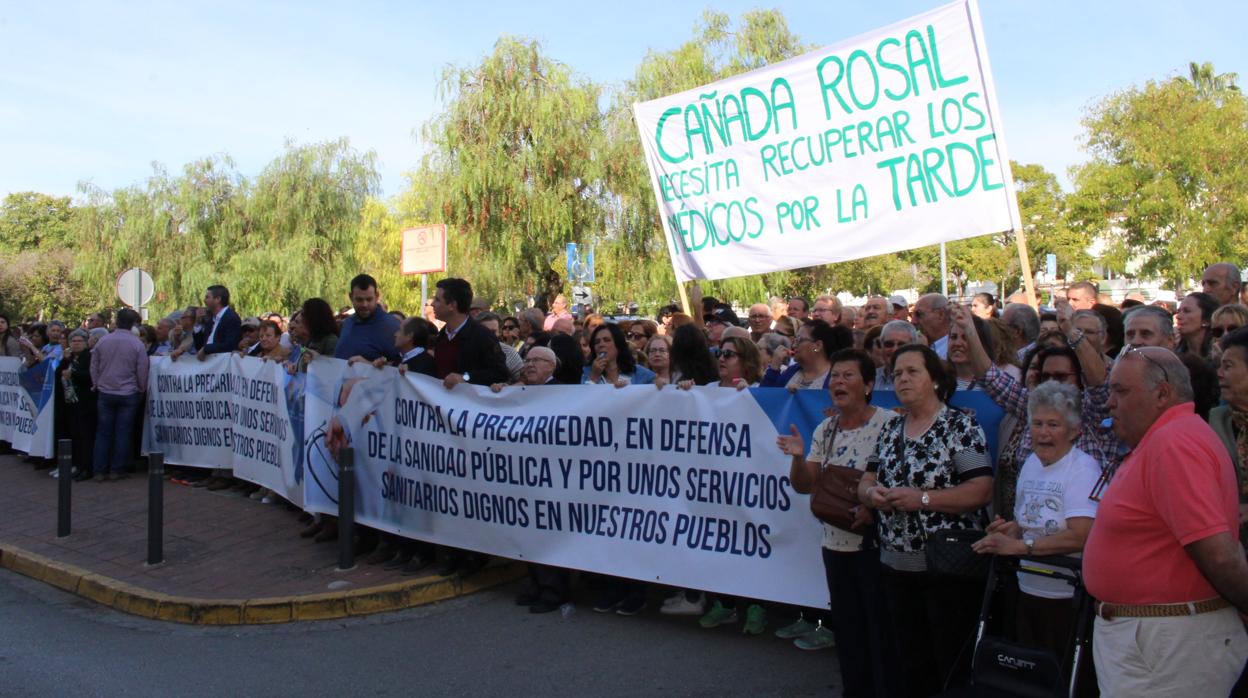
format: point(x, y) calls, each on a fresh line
point(613, 359)
point(851, 557)
point(930, 471)
point(740, 366)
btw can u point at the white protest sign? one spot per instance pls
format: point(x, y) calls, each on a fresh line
point(885, 142)
point(225, 412)
point(680, 487)
point(27, 407)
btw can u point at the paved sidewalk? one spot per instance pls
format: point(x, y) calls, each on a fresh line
point(224, 554)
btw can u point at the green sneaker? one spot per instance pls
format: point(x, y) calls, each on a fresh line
point(819, 639)
point(717, 616)
point(755, 620)
point(796, 629)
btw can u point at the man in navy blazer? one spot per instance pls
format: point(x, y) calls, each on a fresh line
point(226, 330)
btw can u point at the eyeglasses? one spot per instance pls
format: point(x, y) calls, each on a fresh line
point(1149, 359)
point(636, 335)
point(1217, 332)
point(511, 327)
point(893, 344)
point(657, 350)
point(727, 354)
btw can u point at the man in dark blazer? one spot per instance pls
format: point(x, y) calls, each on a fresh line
point(464, 351)
point(226, 330)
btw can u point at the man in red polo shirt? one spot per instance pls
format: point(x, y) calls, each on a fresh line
point(1163, 558)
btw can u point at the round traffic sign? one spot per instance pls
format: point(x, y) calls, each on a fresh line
point(135, 287)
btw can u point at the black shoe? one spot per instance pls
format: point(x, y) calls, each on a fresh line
point(83, 475)
point(472, 564)
point(449, 567)
point(383, 553)
point(528, 598)
point(398, 562)
point(418, 563)
point(607, 603)
point(631, 607)
point(545, 606)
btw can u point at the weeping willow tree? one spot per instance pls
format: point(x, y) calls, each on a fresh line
point(285, 237)
point(514, 168)
point(303, 214)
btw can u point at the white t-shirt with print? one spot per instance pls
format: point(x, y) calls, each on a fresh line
point(851, 449)
point(1046, 497)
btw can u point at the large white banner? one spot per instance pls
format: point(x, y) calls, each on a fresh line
point(680, 487)
point(27, 405)
point(885, 142)
point(227, 412)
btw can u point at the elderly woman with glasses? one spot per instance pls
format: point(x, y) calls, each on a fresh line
point(1052, 514)
point(815, 343)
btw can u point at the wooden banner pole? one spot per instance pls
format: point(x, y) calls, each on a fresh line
point(1029, 283)
point(684, 299)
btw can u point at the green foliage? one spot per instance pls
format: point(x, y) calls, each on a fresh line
point(29, 219)
point(286, 237)
point(1167, 184)
point(39, 284)
point(514, 167)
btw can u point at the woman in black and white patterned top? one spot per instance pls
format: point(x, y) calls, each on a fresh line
point(930, 471)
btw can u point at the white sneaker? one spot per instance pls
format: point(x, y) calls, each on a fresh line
point(685, 607)
point(674, 598)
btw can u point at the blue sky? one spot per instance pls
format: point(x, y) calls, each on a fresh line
point(98, 91)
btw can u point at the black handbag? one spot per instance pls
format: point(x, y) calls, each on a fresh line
point(948, 552)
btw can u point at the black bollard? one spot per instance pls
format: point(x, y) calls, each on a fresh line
point(346, 509)
point(155, 508)
point(64, 464)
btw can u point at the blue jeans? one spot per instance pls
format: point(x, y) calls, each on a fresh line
point(113, 427)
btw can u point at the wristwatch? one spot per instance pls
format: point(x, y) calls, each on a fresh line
point(925, 501)
point(1031, 544)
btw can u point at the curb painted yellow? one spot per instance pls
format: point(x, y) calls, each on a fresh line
point(128, 598)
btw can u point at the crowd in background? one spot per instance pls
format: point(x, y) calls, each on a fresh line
point(1093, 392)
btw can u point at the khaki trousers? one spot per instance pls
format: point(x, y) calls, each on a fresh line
point(1200, 655)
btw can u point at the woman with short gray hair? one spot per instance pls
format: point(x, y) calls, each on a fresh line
point(1053, 513)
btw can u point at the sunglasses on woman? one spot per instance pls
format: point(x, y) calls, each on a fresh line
point(727, 354)
point(1217, 332)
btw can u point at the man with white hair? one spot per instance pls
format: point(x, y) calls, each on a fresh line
point(759, 320)
point(1024, 324)
point(1222, 281)
point(877, 311)
point(931, 314)
point(1164, 557)
point(1149, 326)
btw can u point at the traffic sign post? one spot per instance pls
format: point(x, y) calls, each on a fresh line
point(423, 252)
point(580, 264)
point(135, 288)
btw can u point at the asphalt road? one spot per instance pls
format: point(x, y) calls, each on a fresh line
point(55, 644)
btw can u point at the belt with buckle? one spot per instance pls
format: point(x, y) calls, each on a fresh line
point(1109, 611)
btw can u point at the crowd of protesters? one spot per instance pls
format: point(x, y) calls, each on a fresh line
point(1124, 440)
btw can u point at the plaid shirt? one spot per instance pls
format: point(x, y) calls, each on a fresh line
point(1094, 440)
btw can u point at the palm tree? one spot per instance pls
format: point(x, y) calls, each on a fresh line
point(1209, 84)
